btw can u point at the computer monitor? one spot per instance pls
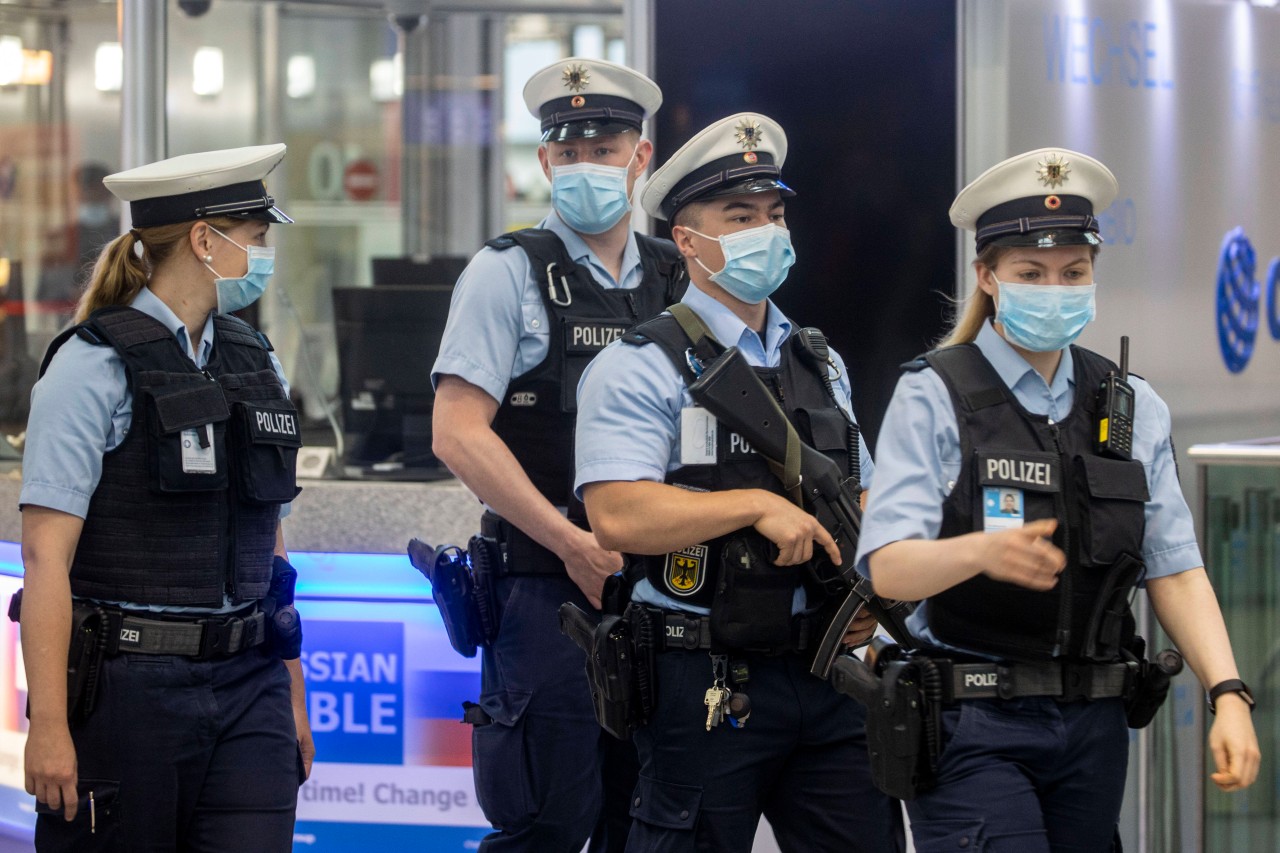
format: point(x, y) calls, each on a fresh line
point(440, 269)
point(388, 338)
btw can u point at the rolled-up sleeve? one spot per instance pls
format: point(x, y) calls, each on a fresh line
point(629, 402)
point(918, 460)
point(487, 321)
point(1169, 543)
point(70, 424)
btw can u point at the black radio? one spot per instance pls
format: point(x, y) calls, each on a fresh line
point(1115, 410)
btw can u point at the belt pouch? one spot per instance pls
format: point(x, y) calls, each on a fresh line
point(751, 609)
point(896, 733)
point(1151, 681)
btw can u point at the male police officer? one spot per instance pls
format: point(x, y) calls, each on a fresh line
point(529, 312)
point(661, 477)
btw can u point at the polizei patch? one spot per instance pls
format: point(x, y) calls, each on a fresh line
point(583, 336)
point(272, 425)
point(1037, 472)
point(686, 570)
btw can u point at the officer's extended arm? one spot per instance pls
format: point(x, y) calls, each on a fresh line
point(49, 539)
point(1188, 611)
point(914, 569)
point(463, 438)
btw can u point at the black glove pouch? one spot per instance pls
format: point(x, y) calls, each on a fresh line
point(751, 609)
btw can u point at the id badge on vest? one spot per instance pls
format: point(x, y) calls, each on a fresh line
point(198, 455)
point(699, 434)
point(1002, 508)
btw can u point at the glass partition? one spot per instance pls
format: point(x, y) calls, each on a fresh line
point(1240, 512)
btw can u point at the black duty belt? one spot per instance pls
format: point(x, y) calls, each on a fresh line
point(692, 631)
point(1064, 680)
point(203, 638)
point(522, 555)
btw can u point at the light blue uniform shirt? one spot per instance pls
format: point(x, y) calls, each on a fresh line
point(498, 327)
point(629, 404)
point(919, 453)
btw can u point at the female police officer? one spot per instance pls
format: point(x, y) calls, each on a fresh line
point(1034, 751)
point(152, 547)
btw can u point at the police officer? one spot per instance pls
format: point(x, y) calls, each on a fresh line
point(661, 478)
point(1035, 760)
point(531, 309)
point(159, 457)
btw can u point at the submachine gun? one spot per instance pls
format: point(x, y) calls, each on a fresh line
point(729, 389)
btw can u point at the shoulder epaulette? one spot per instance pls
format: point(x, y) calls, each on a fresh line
point(915, 365)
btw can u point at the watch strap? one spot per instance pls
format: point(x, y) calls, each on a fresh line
point(1230, 685)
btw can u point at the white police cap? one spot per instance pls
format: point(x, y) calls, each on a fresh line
point(1047, 197)
point(739, 154)
point(195, 186)
point(579, 97)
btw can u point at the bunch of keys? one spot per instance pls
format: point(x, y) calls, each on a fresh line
point(722, 702)
point(717, 693)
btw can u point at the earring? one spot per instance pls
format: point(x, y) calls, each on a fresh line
point(208, 259)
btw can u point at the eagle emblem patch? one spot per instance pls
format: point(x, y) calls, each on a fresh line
point(686, 570)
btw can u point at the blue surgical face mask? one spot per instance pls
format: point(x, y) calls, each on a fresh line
point(756, 261)
point(589, 197)
point(1044, 317)
point(243, 291)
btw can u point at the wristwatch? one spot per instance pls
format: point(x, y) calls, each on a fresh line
point(1231, 685)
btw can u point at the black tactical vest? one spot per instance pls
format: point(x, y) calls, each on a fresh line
point(187, 506)
point(537, 417)
point(1099, 503)
point(802, 390)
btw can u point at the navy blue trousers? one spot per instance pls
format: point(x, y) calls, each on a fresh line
point(1026, 776)
point(547, 776)
point(184, 756)
point(801, 761)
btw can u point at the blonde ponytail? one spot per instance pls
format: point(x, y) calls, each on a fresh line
point(120, 273)
point(117, 277)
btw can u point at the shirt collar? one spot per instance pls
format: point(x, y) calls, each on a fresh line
point(1013, 368)
point(731, 331)
point(581, 253)
point(153, 306)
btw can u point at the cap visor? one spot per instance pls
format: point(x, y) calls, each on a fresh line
point(753, 185)
point(270, 214)
point(585, 130)
point(1049, 238)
